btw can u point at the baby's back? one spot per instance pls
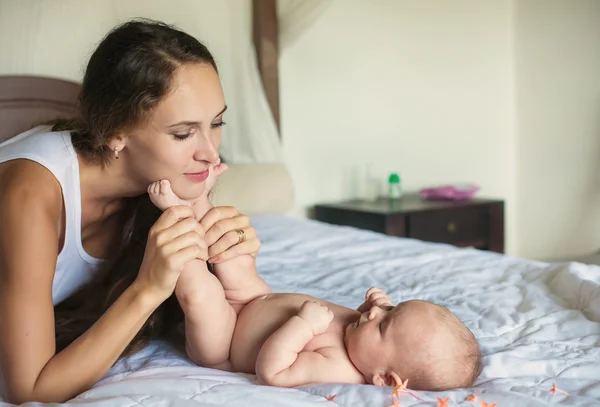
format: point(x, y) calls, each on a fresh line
point(264, 315)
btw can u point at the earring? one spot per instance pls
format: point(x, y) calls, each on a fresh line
point(116, 154)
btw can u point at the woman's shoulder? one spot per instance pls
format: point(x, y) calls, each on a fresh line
point(28, 184)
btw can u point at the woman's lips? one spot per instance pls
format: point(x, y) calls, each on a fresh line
point(197, 176)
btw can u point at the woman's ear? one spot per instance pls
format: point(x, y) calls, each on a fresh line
point(116, 144)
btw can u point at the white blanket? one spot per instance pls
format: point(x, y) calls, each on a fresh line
point(538, 324)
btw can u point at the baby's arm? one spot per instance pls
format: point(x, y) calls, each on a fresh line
point(375, 297)
point(281, 360)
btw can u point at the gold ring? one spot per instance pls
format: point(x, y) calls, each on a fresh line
point(241, 236)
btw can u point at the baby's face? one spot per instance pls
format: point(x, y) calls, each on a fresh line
point(372, 341)
point(396, 339)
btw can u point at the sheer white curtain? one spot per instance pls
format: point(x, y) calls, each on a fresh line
point(55, 38)
point(296, 16)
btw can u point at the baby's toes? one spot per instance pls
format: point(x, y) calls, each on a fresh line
point(165, 188)
point(153, 188)
point(220, 169)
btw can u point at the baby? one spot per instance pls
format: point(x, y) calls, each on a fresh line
point(290, 340)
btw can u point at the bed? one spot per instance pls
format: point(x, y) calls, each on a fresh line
point(538, 324)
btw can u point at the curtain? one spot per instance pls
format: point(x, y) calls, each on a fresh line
point(296, 16)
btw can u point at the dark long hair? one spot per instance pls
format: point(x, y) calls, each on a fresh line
point(128, 74)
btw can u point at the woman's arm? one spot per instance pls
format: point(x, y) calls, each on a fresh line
point(30, 213)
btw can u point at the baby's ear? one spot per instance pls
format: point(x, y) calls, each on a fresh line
point(386, 379)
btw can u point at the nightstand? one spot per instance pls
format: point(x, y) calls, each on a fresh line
point(475, 223)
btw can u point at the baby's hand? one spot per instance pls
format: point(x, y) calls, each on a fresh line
point(317, 315)
point(376, 297)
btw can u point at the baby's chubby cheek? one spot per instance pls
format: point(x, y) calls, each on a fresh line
point(359, 346)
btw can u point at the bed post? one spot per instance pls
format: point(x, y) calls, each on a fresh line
point(265, 33)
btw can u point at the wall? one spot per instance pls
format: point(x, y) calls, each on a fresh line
point(505, 94)
point(558, 144)
point(425, 88)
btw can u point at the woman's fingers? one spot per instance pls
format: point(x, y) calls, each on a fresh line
point(217, 214)
point(186, 240)
point(180, 228)
point(247, 247)
point(187, 254)
point(171, 216)
point(230, 239)
point(224, 226)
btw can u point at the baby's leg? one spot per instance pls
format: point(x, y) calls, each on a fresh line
point(209, 319)
point(238, 276)
point(240, 280)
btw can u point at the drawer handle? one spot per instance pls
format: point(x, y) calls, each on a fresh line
point(451, 227)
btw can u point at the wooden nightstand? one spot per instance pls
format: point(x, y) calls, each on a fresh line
point(476, 223)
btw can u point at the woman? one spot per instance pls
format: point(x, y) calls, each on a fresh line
point(77, 224)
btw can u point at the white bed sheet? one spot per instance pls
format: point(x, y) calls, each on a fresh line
point(538, 324)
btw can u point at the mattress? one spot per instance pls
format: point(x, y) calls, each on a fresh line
point(538, 324)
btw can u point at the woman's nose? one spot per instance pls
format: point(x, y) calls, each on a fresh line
point(206, 150)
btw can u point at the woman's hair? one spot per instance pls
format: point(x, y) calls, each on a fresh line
point(128, 74)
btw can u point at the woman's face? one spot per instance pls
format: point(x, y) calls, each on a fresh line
point(181, 139)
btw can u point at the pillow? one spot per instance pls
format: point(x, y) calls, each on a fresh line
point(255, 189)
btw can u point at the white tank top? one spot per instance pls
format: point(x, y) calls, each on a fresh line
point(54, 150)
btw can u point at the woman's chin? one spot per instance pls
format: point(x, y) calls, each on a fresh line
point(189, 191)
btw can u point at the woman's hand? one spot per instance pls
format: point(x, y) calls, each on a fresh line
point(221, 225)
point(174, 240)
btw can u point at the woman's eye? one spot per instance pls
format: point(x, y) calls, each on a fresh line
point(220, 124)
point(182, 136)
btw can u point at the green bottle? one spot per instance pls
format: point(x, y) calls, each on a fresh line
point(394, 188)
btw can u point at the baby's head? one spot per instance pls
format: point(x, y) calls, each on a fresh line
point(416, 340)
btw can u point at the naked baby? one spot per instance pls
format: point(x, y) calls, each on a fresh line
point(237, 324)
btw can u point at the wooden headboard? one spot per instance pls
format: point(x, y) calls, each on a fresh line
point(29, 100)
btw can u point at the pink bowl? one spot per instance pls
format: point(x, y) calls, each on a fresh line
point(449, 192)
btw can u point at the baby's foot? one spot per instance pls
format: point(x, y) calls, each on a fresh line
point(202, 204)
point(163, 196)
point(214, 173)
